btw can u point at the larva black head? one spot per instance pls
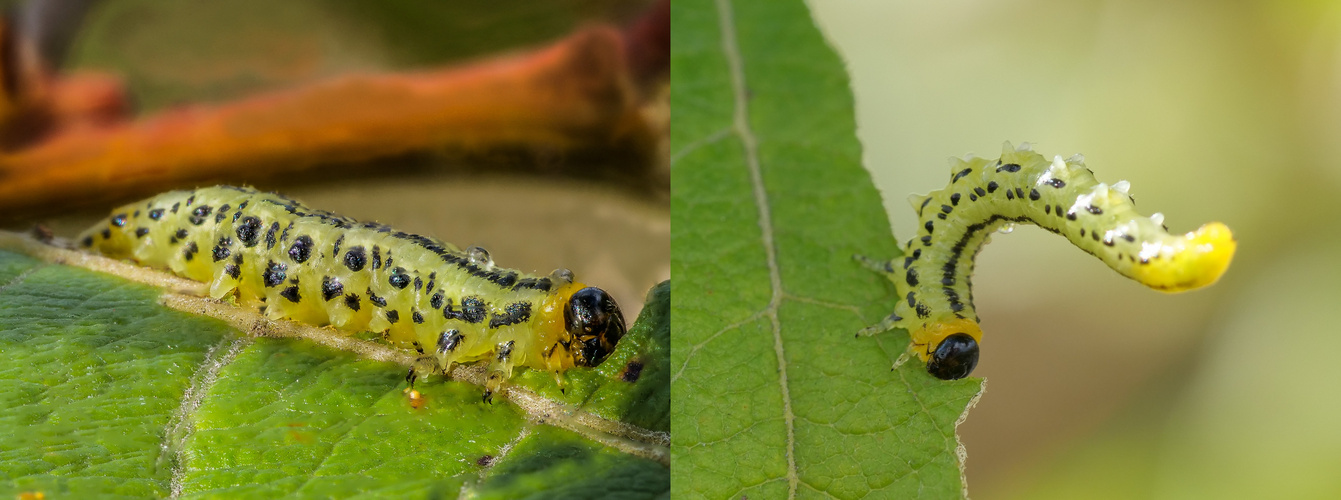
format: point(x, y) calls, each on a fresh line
point(596, 324)
point(954, 358)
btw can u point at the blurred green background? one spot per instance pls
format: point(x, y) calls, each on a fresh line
point(1229, 111)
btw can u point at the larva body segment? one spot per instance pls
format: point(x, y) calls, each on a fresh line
point(1061, 196)
point(320, 268)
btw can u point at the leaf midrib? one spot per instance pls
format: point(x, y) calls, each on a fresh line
point(741, 126)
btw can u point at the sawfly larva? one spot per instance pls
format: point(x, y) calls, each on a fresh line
point(1061, 196)
point(320, 268)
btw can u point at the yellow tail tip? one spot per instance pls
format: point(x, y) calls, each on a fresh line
point(1204, 257)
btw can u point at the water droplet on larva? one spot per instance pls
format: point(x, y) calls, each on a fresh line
point(480, 257)
point(1006, 228)
point(562, 275)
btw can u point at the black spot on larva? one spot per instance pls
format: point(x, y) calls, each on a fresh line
point(449, 340)
point(156, 214)
point(352, 301)
point(189, 252)
point(948, 281)
point(1108, 241)
point(221, 250)
point(924, 205)
point(219, 216)
point(991, 187)
point(139, 233)
point(926, 240)
point(335, 250)
point(270, 236)
point(1071, 215)
point(87, 241)
point(248, 232)
point(941, 216)
point(1010, 195)
point(1034, 194)
point(355, 258)
point(980, 191)
point(1094, 210)
point(961, 175)
point(392, 316)
point(274, 274)
point(418, 318)
point(119, 220)
point(377, 257)
point(917, 254)
point(922, 310)
point(175, 206)
point(1019, 193)
point(180, 234)
point(473, 309)
point(1129, 238)
point(505, 350)
point(106, 233)
point(1009, 167)
point(136, 213)
point(954, 199)
point(956, 306)
point(291, 293)
point(301, 249)
point(912, 300)
point(432, 278)
point(1094, 236)
point(200, 214)
point(973, 197)
point(946, 208)
point(632, 371)
point(331, 288)
point(375, 299)
point(399, 279)
point(233, 271)
point(911, 277)
point(237, 259)
point(418, 284)
point(930, 225)
point(1082, 232)
point(436, 301)
point(1047, 209)
point(1057, 183)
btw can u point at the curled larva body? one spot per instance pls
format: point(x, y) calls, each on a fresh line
point(1061, 196)
point(309, 265)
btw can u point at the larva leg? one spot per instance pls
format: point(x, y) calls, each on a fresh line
point(886, 268)
point(889, 323)
point(879, 266)
point(500, 370)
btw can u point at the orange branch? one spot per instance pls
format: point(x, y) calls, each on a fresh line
point(576, 94)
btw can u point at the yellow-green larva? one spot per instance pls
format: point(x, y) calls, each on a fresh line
point(313, 266)
point(1061, 196)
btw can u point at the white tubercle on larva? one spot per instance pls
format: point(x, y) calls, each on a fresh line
point(1157, 218)
point(1058, 164)
point(1078, 159)
point(1122, 186)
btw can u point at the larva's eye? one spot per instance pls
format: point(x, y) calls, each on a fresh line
point(594, 321)
point(954, 358)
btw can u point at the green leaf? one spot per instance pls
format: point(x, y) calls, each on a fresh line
point(772, 396)
point(104, 391)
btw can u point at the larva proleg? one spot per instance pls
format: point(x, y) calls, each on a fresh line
point(313, 266)
point(1022, 187)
